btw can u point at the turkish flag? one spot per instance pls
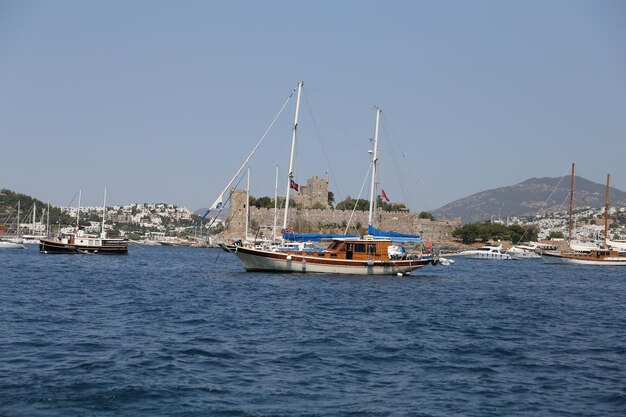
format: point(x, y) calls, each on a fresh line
point(384, 195)
point(294, 185)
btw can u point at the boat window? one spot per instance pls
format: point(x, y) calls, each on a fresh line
point(334, 245)
point(322, 254)
point(359, 247)
point(371, 248)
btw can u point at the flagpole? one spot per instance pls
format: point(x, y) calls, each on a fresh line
point(293, 146)
point(374, 172)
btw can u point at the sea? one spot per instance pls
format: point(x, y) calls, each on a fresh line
point(174, 331)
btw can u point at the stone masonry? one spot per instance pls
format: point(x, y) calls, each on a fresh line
point(335, 221)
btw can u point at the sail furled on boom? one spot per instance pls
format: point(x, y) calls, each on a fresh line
point(394, 236)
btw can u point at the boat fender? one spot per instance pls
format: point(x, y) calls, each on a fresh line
point(288, 257)
point(435, 261)
point(370, 262)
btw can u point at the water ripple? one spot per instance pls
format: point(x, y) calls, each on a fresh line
point(185, 332)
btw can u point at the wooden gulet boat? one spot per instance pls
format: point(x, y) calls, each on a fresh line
point(598, 256)
point(370, 255)
point(358, 256)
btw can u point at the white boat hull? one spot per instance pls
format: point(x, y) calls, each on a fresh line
point(555, 257)
point(259, 260)
point(4, 244)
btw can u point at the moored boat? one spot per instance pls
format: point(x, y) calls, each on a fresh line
point(80, 242)
point(606, 255)
point(357, 256)
point(487, 252)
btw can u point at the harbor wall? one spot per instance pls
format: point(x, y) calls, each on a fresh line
point(335, 221)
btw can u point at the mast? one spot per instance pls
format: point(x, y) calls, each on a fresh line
point(104, 212)
point(374, 164)
point(606, 211)
point(80, 193)
point(48, 219)
point(34, 214)
point(571, 208)
point(247, 206)
point(17, 229)
point(275, 204)
point(293, 147)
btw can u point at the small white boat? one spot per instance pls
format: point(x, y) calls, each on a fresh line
point(524, 252)
point(487, 252)
point(8, 244)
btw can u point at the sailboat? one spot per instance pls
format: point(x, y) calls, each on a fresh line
point(12, 242)
point(369, 255)
point(606, 255)
point(80, 242)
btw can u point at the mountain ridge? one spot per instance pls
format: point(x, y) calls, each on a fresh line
point(529, 197)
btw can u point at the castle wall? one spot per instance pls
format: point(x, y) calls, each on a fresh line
point(335, 221)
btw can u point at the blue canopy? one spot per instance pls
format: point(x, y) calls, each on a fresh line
point(394, 236)
point(314, 237)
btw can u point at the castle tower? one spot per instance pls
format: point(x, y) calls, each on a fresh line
point(236, 222)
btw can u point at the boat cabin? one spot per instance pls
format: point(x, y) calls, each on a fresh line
point(358, 249)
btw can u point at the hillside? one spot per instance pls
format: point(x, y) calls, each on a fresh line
point(528, 197)
point(8, 209)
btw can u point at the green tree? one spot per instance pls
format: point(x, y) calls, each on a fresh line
point(555, 235)
point(426, 215)
point(349, 203)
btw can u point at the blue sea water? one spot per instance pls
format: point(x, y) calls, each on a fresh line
point(186, 332)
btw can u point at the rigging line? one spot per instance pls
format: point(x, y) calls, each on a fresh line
point(424, 186)
point(544, 204)
point(256, 147)
point(398, 177)
point(319, 139)
point(225, 202)
point(358, 145)
point(358, 198)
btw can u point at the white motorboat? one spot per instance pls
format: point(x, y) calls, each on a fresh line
point(9, 244)
point(524, 252)
point(487, 252)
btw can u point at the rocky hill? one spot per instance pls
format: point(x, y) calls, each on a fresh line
point(528, 197)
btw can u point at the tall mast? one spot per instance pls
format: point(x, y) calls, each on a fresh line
point(275, 204)
point(571, 208)
point(606, 211)
point(247, 206)
point(17, 229)
point(34, 215)
point(293, 147)
point(374, 164)
point(104, 212)
point(80, 193)
point(48, 219)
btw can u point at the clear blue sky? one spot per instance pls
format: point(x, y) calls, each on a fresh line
point(161, 101)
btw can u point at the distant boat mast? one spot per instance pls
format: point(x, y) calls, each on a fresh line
point(293, 146)
point(374, 170)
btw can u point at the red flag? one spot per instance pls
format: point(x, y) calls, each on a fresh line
point(293, 185)
point(384, 195)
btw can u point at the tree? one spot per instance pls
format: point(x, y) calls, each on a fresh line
point(485, 231)
point(555, 234)
point(349, 203)
point(426, 215)
point(331, 198)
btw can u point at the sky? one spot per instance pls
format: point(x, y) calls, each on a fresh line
point(162, 101)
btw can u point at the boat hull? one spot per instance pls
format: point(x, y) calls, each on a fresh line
point(108, 247)
point(554, 257)
point(260, 260)
point(4, 244)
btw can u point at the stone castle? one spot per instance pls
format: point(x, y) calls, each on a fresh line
point(313, 214)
